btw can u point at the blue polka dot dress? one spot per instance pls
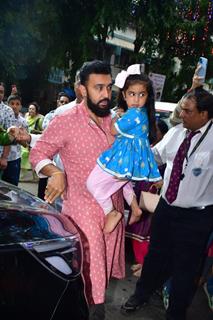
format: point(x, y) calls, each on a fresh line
point(130, 156)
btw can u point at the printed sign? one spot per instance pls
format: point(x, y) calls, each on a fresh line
point(158, 81)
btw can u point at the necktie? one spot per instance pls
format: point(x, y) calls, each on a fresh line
point(175, 178)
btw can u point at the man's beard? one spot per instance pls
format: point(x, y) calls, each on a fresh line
point(98, 111)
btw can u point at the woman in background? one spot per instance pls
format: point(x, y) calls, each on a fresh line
point(34, 120)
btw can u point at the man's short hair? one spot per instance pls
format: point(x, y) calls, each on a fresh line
point(93, 67)
point(77, 77)
point(13, 97)
point(203, 99)
point(63, 94)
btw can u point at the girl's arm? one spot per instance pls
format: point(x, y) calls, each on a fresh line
point(119, 113)
point(130, 119)
point(113, 131)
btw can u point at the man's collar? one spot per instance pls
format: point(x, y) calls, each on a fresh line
point(90, 119)
point(203, 128)
point(3, 104)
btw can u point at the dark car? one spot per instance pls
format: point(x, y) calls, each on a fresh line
point(40, 260)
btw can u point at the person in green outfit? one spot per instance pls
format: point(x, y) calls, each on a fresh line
point(34, 120)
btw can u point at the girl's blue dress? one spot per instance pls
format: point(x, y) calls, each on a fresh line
point(130, 156)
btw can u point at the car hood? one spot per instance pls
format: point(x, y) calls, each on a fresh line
point(24, 217)
point(12, 196)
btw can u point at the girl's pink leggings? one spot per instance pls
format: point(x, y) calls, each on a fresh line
point(103, 185)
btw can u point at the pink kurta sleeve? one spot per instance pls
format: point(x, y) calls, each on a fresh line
point(49, 144)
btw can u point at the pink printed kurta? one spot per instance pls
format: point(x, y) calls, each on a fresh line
point(79, 141)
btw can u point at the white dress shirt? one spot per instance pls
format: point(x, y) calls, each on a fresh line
point(196, 188)
point(56, 112)
point(7, 119)
point(15, 150)
point(65, 107)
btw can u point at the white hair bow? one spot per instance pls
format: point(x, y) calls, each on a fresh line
point(122, 76)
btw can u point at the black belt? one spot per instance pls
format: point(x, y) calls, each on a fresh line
point(200, 208)
point(189, 208)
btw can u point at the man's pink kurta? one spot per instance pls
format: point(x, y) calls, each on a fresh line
point(79, 141)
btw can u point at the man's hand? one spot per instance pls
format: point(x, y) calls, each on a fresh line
point(196, 80)
point(23, 137)
point(158, 185)
point(55, 186)
point(13, 132)
point(3, 163)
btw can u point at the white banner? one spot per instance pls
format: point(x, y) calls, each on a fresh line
point(158, 81)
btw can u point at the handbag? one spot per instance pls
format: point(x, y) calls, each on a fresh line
point(148, 201)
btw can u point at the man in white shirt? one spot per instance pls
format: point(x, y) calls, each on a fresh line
point(12, 172)
point(181, 227)
point(7, 120)
point(73, 103)
point(62, 99)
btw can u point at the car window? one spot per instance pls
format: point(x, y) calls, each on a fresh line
point(163, 116)
point(164, 110)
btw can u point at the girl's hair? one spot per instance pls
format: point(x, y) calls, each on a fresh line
point(162, 126)
point(150, 103)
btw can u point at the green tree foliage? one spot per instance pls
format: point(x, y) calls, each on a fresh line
point(21, 39)
point(24, 44)
point(36, 35)
point(71, 36)
point(106, 16)
point(170, 30)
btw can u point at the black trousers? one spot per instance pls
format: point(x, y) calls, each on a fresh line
point(42, 183)
point(177, 248)
point(12, 172)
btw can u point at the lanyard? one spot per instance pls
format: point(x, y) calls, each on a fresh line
point(195, 148)
point(200, 140)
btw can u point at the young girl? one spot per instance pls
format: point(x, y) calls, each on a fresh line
point(139, 232)
point(130, 156)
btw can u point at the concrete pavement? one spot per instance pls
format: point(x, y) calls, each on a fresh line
point(119, 291)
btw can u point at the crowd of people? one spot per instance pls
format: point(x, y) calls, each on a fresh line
point(88, 158)
point(15, 165)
